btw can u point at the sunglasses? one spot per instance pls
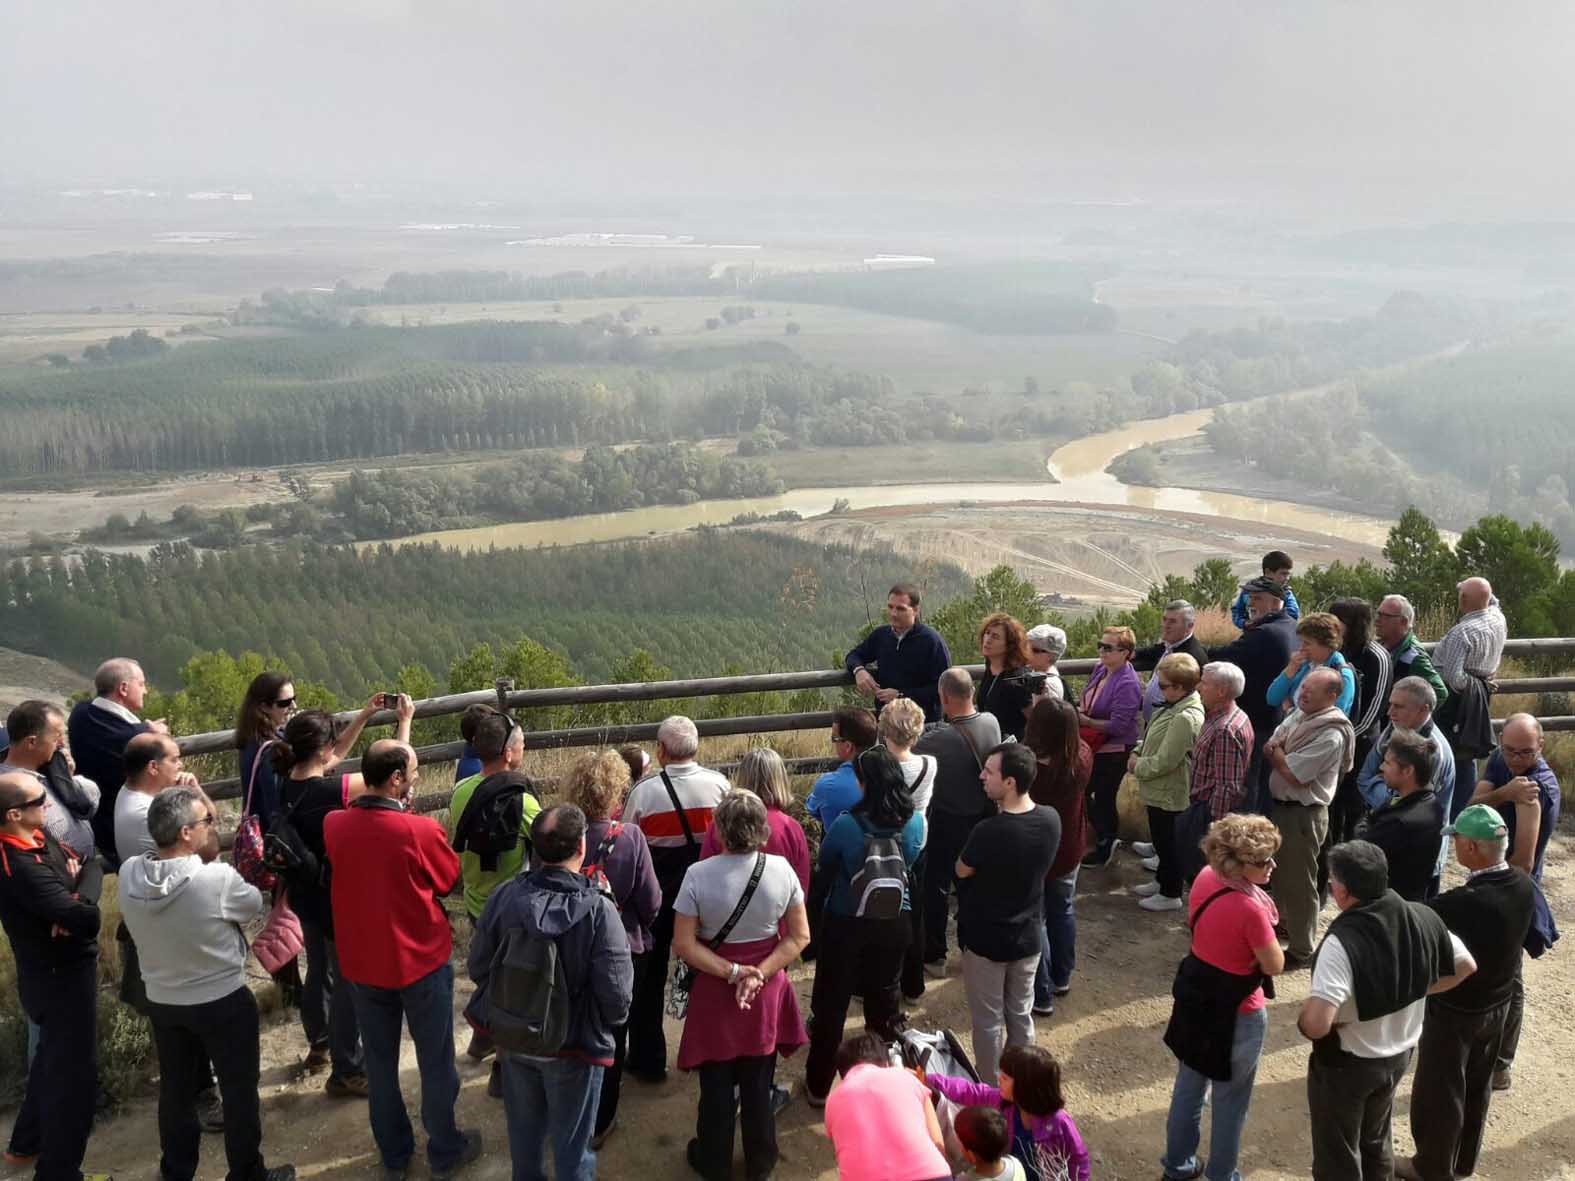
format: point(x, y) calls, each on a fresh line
point(36, 802)
point(1266, 863)
point(285, 703)
point(1104, 647)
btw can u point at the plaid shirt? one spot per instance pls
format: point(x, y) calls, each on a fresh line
point(1473, 647)
point(1219, 761)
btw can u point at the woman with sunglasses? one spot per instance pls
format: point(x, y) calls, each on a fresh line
point(309, 748)
point(1107, 718)
point(267, 706)
point(1220, 999)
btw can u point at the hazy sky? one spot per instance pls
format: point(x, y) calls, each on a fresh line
point(1443, 103)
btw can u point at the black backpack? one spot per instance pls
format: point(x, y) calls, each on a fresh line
point(490, 824)
point(877, 889)
point(287, 854)
point(528, 995)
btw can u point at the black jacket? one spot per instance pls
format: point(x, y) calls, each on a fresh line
point(1409, 830)
point(1491, 913)
point(1202, 1027)
point(1466, 722)
point(911, 665)
point(38, 894)
point(1147, 659)
point(1261, 653)
point(98, 744)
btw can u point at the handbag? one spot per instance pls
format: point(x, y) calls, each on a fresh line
point(682, 978)
point(247, 852)
point(281, 940)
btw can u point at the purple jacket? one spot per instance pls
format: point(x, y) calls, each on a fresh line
point(1051, 1139)
point(632, 878)
point(1120, 705)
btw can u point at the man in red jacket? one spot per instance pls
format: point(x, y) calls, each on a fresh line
point(390, 868)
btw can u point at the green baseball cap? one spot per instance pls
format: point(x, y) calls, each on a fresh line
point(1480, 822)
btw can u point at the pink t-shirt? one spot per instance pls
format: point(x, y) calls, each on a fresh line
point(1233, 926)
point(876, 1120)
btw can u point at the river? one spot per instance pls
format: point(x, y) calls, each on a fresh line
point(1079, 467)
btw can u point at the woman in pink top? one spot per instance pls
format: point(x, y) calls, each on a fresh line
point(1232, 922)
point(880, 1118)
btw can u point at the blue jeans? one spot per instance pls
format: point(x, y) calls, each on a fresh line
point(1184, 1126)
point(1057, 939)
point(328, 1013)
point(427, 1006)
point(556, 1095)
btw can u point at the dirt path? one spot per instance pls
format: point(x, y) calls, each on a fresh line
point(1106, 1033)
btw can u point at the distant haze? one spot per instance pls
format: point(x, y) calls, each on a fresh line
point(1416, 109)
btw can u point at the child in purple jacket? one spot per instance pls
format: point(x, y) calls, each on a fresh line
point(1043, 1135)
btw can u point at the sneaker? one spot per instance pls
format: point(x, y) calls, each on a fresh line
point(1143, 849)
point(1151, 864)
point(935, 969)
point(692, 1156)
point(316, 1057)
point(780, 1098)
point(279, 1173)
point(1295, 963)
point(392, 1174)
point(1406, 1170)
point(1061, 990)
point(1099, 856)
point(1159, 902)
point(19, 1160)
point(1044, 1010)
point(604, 1135)
point(480, 1047)
point(1501, 1079)
point(495, 1081)
point(1146, 889)
point(470, 1149)
point(814, 1100)
point(346, 1086)
point(210, 1112)
point(913, 997)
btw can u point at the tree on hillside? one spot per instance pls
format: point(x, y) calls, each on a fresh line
point(1421, 566)
point(1521, 561)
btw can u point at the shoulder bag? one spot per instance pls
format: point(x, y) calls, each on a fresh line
point(683, 976)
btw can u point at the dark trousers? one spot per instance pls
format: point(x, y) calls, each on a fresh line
point(1104, 785)
point(189, 1038)
point(647, 1052)
point(1345, 811)
point(856, 956)
point(948, 835)
point(1452, 1088)
point(1257, 799)
point(913, 958)
point(427, 1006)
point(1162, 834)
point(753, 1078)
point(57, 1105)
point(327, 1010)
point(1352, 1105)
point(1513, 1017)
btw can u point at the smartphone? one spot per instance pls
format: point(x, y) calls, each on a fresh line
point(391, 700)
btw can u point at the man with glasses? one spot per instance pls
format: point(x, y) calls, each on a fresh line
point(852, 733)
point(49, 908)
point(908, 657)
point(38, 738)
point(1394, 620)
point(1517, 781)
point(186, 909)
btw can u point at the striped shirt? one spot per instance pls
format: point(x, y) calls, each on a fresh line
point(1219, 761)
point(649, 805)
point(1473, 647)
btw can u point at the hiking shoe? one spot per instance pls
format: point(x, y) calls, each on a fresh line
point(1044, 1010)
point(1061, 990)
point(1406, 1170)
point(814, 1100)
point(346, 1086)
point(1151, 864)
point(470, 1151)
point(280, 1173)
point(1501, 1079)
point(210, 1112)
point(692, 1156)
point(390, 1173)
point(1143, 849)
point(1295, 963)
point(316, 1057)
point(481, 1046)
point(1159, 902)
point(1099, 856)
point(1146, 889)
point(601, 1137)
point(780, 1098)
point(935, 969)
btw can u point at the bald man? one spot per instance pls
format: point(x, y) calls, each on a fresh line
point(1517, 781)
point(1467, 659)
point(1306, 756)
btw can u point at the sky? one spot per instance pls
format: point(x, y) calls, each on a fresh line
point(1443, 105)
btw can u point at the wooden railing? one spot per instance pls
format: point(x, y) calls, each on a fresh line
point(505, 696)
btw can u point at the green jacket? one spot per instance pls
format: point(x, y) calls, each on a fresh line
point(1164, 756)
point(1410, 659)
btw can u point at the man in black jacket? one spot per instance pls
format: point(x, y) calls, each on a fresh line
point(49, 907)
point(1410, 826)
point(909, 657)
point(1260, 652)
point(1175, 635)
point(1491, 914)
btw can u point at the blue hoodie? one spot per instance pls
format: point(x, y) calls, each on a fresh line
point(556, 904)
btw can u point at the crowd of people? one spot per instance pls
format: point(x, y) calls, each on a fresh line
point(643, 890)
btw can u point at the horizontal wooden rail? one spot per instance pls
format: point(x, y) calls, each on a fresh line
point(220, 741)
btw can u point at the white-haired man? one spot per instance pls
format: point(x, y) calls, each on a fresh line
point(673, 810)
point(1393, 623)
point(1175, 635)
point(1220, 760)
point(98, 731)
point(1467, 659)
